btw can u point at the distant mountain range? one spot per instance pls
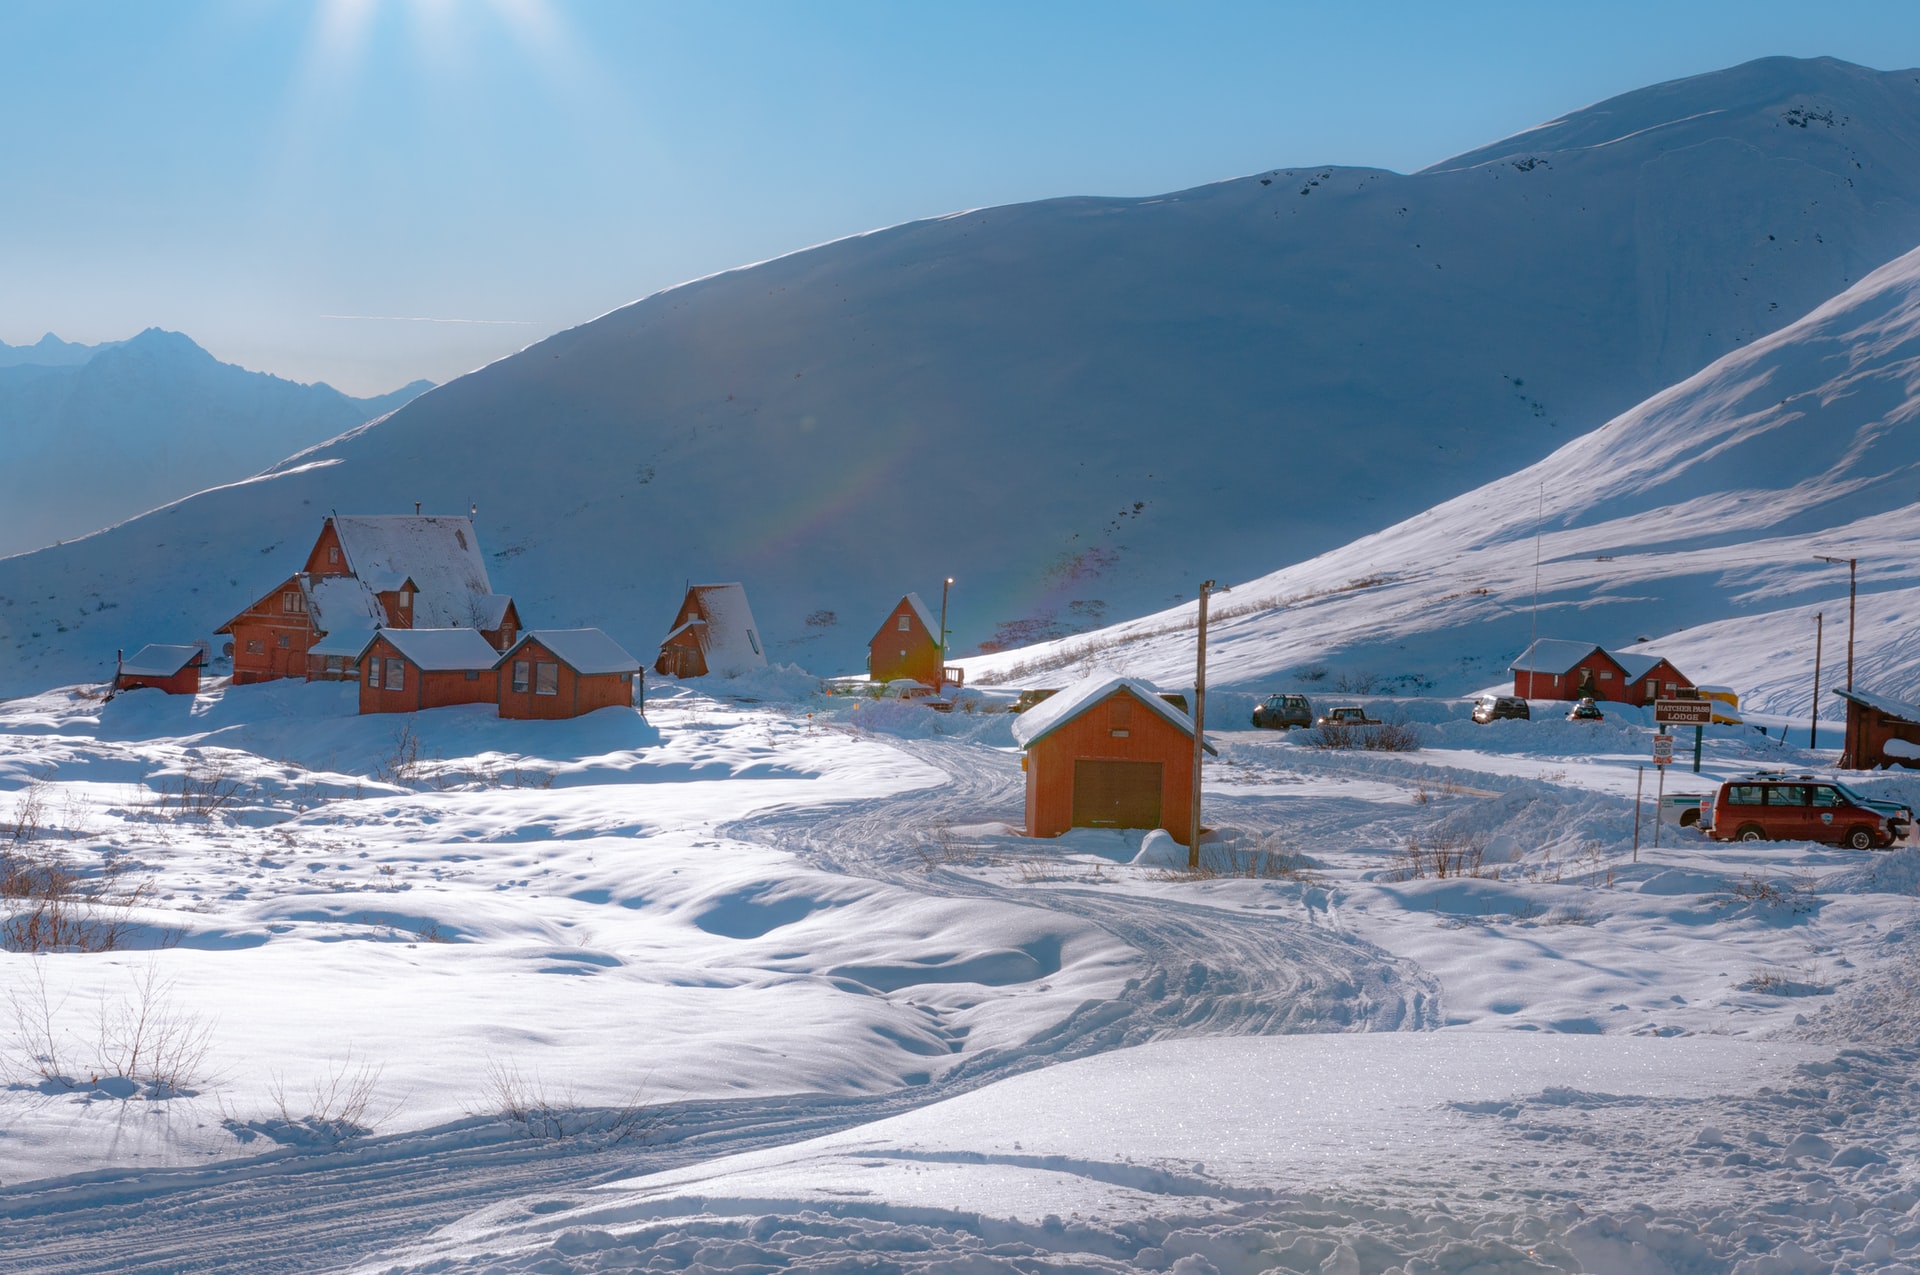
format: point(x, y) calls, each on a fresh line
point(95, 434)
point(1079, 408)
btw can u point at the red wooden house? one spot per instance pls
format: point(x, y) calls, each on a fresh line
point(366, 573)
point(1881, 732)
point(1107, 753)
point(713, 632)
point(1556, 669)
point(1650, 678)
point(173, 669)
point(407, 670)
point(553, 673)
point(907, 645)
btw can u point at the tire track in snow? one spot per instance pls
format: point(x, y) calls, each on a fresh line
point(1206, 971)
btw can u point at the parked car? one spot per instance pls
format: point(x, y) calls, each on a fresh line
point(1491, 708)
point(905, 688)
point(1283, 712)
point(1586, 711)
point(1806, 808)
point(1347, 715)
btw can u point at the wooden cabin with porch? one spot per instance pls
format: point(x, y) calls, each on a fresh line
point(1108, 752)
point(364, 574)
point(559, 673)
point(907, 645)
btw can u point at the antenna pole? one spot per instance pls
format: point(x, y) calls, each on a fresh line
point(1539, 517)
point(1813, 731)
point(940, 678)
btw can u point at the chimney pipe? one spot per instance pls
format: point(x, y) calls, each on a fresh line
point(416, 507)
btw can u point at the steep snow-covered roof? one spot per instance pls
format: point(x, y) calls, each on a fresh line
point(1883, 704)
point(440, 554)
point(584, 650)
point(154, 660)
point(491, 610)
point(927, 621)
point(731, 643)
point(1059, 709)
point(442, 650)
point(1635, 664)
point(340, 604)
point(1554, 655)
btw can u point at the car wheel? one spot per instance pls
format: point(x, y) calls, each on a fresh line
point(1860, 839)
point(1689, 818)
point(1752, 832)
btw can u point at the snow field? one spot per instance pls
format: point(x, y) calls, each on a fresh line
point(1699, 1061)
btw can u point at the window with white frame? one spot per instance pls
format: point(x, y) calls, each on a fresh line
point(374, 666)
point(522, 675)
point(546, 678)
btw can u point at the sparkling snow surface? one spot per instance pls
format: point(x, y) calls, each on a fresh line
point(755, 921)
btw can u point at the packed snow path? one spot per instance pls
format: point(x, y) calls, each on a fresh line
point(1209, 971)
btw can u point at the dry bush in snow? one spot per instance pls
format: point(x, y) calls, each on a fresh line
point(1442, 854)
point(140, 1038)
point(523, 1099)
point(48, 905)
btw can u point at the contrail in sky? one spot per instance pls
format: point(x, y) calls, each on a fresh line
point(414, 318)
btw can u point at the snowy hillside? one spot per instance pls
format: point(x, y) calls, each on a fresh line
point(1077, 407)
point(1705, 505)
point(92, 435)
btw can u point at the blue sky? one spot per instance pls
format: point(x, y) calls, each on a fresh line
point(245, 170)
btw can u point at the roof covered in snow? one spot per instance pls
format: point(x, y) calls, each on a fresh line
point(731, 642)
point(442, 650)
point(1554, 655)
point(1635, 664)
point(583, 650)
point(927, 621)
point(491, 611)
point(154, 660)
point(441, 555)
point(1883, 704)
point(1057, 710)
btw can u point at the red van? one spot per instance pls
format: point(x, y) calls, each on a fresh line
point(1805, 808)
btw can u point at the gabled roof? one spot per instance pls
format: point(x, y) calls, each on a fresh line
point(1057, 710)
point(154, 660)
point(1555, 655)
point(1883, 704)
point(1636, 665)
point(490, 612)
point(586, 651)
point(447, 650)
point(730, 643)
point(441, 555)
point(927, 622)
point(291, 582)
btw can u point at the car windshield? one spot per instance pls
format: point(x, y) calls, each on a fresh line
point(1850, 795)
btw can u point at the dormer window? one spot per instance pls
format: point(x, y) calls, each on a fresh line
point(905, 624)
point(406, 599)
point(292, 603)
point(333, 555)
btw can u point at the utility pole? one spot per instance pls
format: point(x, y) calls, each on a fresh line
point(1199, 730)
point(1813, 731)
point(1852, 575)
point(940, 678)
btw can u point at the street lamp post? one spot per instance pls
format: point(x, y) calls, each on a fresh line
point(1852, 567)
point(1199, 729)
point(1813, 731)
point(940, 678)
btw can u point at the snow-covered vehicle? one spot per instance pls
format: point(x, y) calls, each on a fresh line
point(1806, 808)
point(905, 688)
point(1492, 708)
point(1346, 715)
point(1283, 712)
point(1586, 711)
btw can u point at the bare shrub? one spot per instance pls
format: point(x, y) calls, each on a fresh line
point(1219, 862)
point(403, 765)
point(47, 905)
point(205, 786)
point(337, 1105)
point(1356, 683)
point(1794, 897)
point(29, 813)
point(1442, 855)
point(140, 1037)
point(1331, 735)
point(523, 1099)
point(1379, 737)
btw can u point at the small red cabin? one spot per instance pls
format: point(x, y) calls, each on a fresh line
point(713, 632)
point(552, 673)
point(173, 669)
point(1650, 678)
point(907, 645)
point(406, 670)
point(1881, 732)
point(1107, 753)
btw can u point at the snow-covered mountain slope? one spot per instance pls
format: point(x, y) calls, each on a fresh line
point(1705, 505)
point(92, 435)
point(1077, 407)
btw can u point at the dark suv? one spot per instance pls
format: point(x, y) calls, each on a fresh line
point(1491, 708)
point(1283, 712)
point(1804, 808)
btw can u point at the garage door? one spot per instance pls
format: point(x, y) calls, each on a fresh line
point(1116, 794)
